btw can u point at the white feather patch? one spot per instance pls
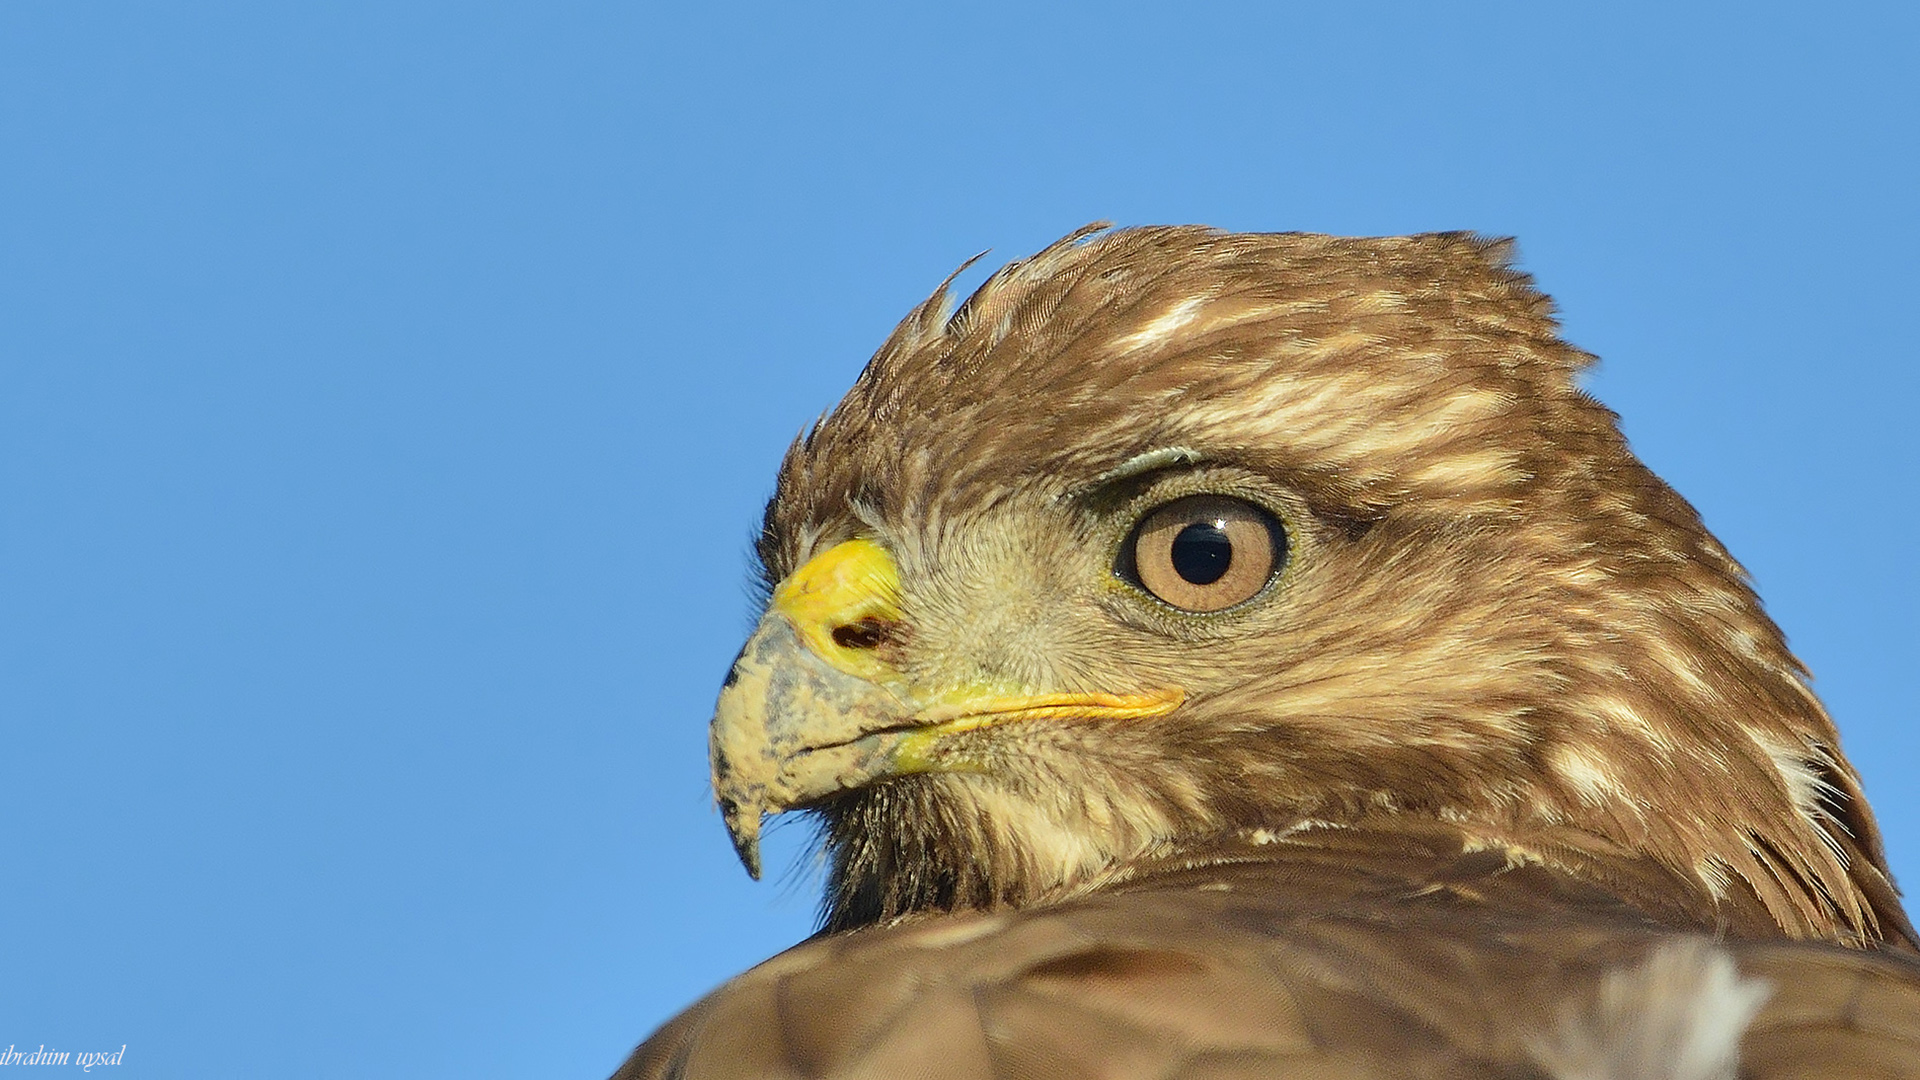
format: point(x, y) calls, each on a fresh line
point(1677, 1015)
point(1163, 326)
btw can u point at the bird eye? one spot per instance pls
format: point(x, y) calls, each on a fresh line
point(1205, 552)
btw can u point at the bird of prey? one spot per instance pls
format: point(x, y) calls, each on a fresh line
point(1212, 655)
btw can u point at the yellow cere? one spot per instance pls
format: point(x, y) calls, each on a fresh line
point(841, 586)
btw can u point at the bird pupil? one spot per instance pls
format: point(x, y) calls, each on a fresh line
point(1202, 553)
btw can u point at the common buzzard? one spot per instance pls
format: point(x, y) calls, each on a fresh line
point(1213, 655)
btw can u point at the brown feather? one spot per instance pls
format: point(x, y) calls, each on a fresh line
point(1526, 737)
point(1334, 952)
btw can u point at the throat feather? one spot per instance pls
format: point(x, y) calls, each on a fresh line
point(955, 841)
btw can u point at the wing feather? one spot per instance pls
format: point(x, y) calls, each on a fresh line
point(1326, 959)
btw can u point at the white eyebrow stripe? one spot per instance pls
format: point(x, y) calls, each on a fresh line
point(1149, 461)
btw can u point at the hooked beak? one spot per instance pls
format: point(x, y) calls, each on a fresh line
point(815, 705)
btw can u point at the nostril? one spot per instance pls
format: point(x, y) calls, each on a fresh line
point(867, 633)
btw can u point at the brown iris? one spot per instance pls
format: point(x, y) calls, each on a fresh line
point(1206, 552)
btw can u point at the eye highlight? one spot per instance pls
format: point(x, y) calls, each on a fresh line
point(1204, 552)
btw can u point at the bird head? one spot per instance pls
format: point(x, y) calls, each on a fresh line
point(1168, 536)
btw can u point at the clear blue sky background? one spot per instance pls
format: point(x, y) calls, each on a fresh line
point(387, 391)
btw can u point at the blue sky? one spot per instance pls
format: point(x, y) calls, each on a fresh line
point(387, 393)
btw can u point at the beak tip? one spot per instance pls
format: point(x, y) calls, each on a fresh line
point(743, 826)
point(749, 853)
